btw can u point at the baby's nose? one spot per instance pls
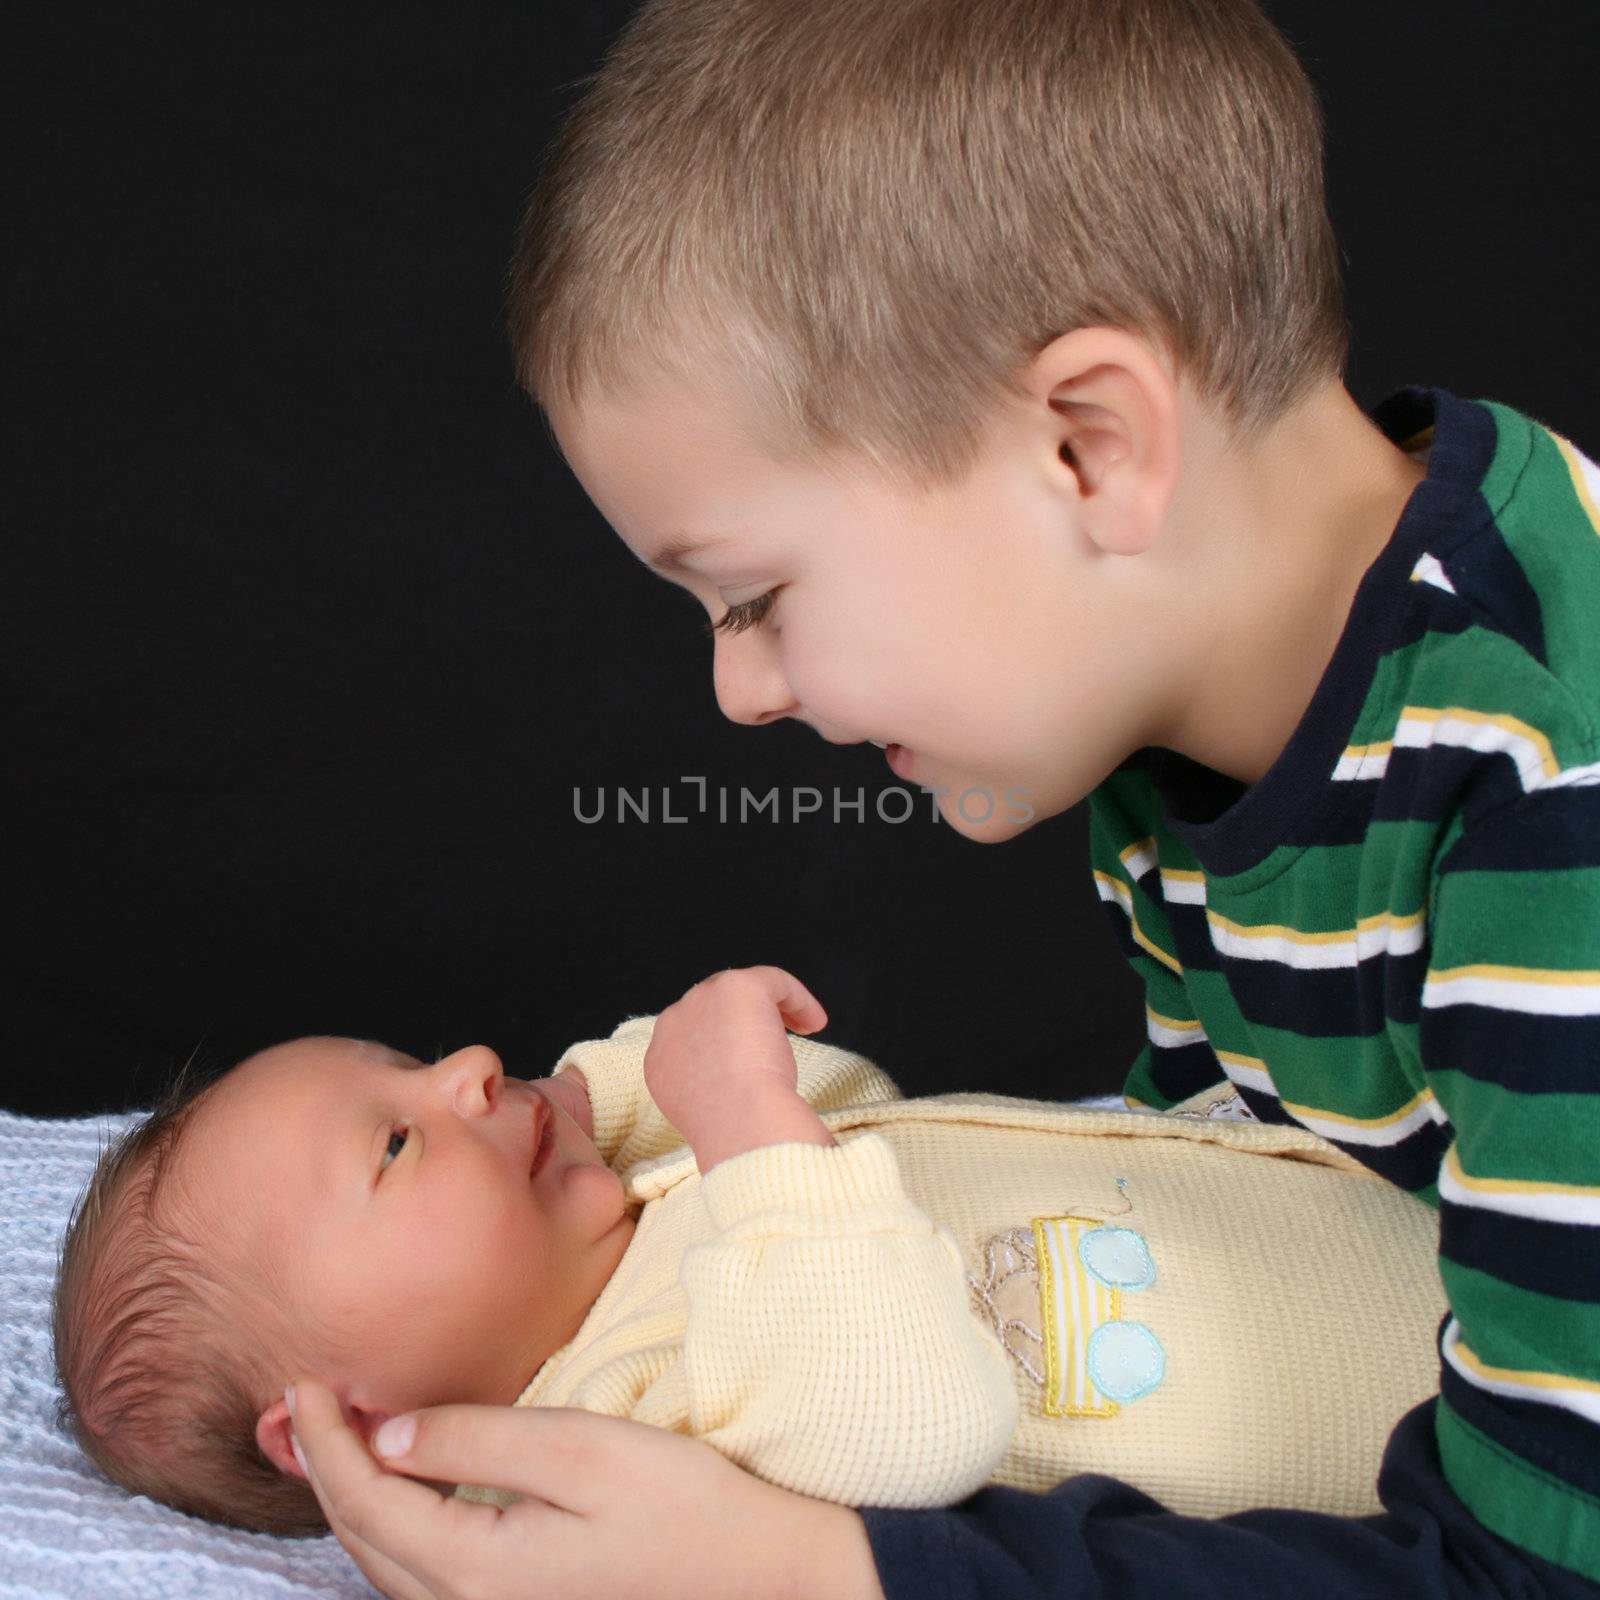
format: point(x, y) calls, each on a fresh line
point(476, 1077)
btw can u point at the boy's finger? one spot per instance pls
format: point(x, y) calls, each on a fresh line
point(565, 1458)
point(399, 1532)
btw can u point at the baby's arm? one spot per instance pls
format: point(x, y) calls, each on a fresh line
point(830, 1345)
point(629, 1127)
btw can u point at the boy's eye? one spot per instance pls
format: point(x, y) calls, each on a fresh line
point(399, 1133)
point(747, 614)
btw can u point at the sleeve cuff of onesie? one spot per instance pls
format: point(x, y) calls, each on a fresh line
point(614, 1071)
point(850, 1181)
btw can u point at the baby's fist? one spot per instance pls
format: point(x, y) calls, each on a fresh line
point(721, 1068)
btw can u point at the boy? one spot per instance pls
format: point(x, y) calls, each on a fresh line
point(425, 1233)
point(978, 365)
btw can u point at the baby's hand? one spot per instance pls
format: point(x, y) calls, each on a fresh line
point(569, 1091)
point(721, 1068)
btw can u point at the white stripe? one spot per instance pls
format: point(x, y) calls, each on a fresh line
point(1509, 994)
point(1349, 769)
point(1138, 861)
point(1360, 944)
point(1172, 1038)
point(1573, 777)
point(1545, 1206)
point(1427, 1110)
point(1469, 733)
point(1256, 1078)
point(1183, 892)
point(1584, 1402)
point(1428, 570)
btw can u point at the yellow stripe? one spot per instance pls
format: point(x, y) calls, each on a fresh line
point(1534, 1380)
point(1232, 1058)
point(1361, 1122)
point(1183, 875)
point(1170, 1022)
point(1136, 847)
point(1580, 484)
point(1277, 930)
point(1356, 752)
point(1581, 980)
point(1514, 1185)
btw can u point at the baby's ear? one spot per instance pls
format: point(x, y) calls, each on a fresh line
point(273, 1439)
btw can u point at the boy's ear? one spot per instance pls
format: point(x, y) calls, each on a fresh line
point(1116, 432)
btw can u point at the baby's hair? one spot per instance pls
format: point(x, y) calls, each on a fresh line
point(876, 212)
point(160, 1386)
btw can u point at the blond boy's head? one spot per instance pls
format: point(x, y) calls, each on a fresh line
point(874, 215)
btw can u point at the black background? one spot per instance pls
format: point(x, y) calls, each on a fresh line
point(307, 636)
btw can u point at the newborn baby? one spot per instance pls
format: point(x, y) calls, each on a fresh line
point(708, 1224)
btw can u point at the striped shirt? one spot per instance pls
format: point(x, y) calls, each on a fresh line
point(1394, 936)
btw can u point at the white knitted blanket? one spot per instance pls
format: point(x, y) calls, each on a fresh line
point(65, 1532)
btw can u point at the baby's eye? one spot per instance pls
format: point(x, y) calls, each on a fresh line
point(399, 1133)
point(747, 614)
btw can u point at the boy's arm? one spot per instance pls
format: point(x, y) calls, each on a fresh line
point(1509, 1032)
point(1094, 1537)
point(830, 1347)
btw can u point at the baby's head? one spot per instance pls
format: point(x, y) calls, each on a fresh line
point(411, 1234)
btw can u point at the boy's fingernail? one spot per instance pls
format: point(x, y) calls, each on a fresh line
point(395, 1436)
point(288, 1398)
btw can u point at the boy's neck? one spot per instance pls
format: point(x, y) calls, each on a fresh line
point(1278, 535)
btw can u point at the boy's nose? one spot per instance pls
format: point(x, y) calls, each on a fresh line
point(749, 683)
point(475, 1077)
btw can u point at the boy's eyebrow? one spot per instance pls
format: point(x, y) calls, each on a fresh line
point(675, 552)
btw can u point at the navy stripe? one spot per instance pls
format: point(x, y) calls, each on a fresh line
point(1554, 1258)
point(1549, 830)
point(1182, 1071)
point(1515, 1049)
point(1560, 1441)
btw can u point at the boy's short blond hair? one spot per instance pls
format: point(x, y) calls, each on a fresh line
point(160, 1383)
point(876, 212)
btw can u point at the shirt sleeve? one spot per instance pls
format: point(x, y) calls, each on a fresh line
point(1093, 1538)
point(629, 1127)
point(1509, 1031)
point(831, 1348)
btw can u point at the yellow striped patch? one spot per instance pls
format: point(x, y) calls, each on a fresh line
point(1074, 1305)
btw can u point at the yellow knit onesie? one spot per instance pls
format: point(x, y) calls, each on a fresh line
point(975, 1289)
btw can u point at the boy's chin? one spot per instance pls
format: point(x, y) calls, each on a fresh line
point(982, 825)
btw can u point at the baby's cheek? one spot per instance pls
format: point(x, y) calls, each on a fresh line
point(592, 1196)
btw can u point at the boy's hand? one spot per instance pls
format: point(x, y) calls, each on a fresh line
point(721, 1068)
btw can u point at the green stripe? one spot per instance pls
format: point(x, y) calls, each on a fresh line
point(1535, 919)
point(1526, 1507)
point(1521, 1330)
point(1504, 1133)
